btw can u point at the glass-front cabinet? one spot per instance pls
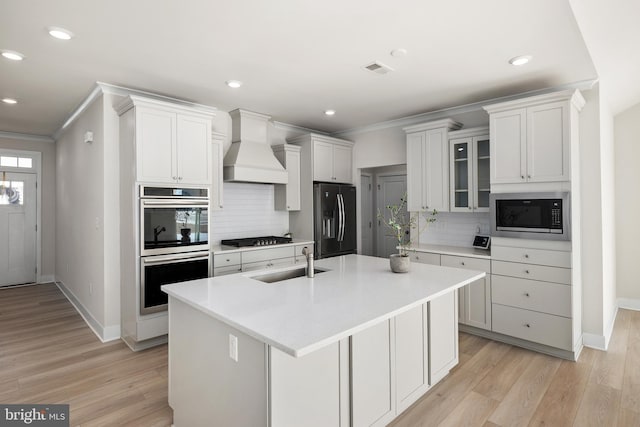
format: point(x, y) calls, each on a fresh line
point(470, 185)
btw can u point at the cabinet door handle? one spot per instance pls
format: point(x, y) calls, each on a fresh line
point(529, 176)
point(526, 255)
point(462, 263)
point(522, 176)
point(220, 206)
point(175, 178)
point(527, 325)
point(526, 294)
point(469, 207)
point(526, 271)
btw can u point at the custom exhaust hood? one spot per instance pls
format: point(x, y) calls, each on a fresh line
point(250, 158)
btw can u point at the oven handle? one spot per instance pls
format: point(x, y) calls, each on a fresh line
point(172, 259)
point(178, 203)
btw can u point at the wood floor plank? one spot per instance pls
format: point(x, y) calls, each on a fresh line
point(608, 368)
point(501, 378)
point(600, 406)
point(473, 410)
point(628, 418)
point(631, 381)
point(560, 403)
point(520, 403)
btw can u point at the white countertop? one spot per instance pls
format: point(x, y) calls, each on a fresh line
point(301, 315)
point(217, 249)
point(452, 250)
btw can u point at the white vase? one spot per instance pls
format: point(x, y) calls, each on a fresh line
point(399, 263)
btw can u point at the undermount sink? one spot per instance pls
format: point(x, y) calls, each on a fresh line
point(279, 276)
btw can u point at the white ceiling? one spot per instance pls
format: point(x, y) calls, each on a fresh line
point(295, 57)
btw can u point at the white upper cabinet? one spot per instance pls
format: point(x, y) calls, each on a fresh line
point(531, 138)
point(287, 196)
point(469, 167)
point(428, 165)
point(331, 158)
point(173, 142)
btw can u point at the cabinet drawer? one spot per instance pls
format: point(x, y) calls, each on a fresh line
point(531, 271)
point(267, 254)
point(545, 297)
point(230, 269)
point(425, 258)
point(259, 265)
point(532, 256)
point(466, 263)
point(225, 260)
point(542, 328)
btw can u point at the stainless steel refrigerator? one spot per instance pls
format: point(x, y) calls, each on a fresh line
point(334, 219)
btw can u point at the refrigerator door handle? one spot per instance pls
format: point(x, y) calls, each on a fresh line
point(342, 217)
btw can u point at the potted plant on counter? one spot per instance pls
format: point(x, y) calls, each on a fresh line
point(400, 222)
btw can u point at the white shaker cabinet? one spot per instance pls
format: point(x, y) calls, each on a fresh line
point(172, 142)
point(428, 165)
point(531, 138)
point(412, 356)
point(469, 170)
point(287, 196)
point(332, 161)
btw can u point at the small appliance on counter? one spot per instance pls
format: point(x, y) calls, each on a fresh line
point(481, 242)
point(256, 241)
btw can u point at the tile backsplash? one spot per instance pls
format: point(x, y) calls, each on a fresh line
point(455, 228)
point(248, 212)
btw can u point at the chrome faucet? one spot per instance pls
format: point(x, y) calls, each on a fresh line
point(308, 253)
point(157, 232)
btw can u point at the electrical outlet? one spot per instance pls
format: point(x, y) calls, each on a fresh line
point(233, 347)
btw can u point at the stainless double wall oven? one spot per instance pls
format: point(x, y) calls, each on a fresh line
point(174, 241)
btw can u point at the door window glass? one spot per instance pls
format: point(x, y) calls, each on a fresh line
point(11, 192)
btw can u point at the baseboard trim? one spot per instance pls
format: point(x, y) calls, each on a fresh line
point(529, 345)
point(110, 333)
point(50, 278)
point(594, 341)
point(629, 303)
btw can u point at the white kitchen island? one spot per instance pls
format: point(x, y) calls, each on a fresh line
point(354, 346)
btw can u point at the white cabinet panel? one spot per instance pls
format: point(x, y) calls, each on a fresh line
point(322, 161)
point(342, 164)
point(548, 149)
point(371, 376)
point(551, 298)
point(304, 390)
point(216, 195)
point(443, 335)
point(415, 172)
point(425, 258)
point(469, 167)
point(437, 170)
point(412, 356)
point(508, 146)
point(156, 145)
point(287, 196)
point(193, 149)
point(531, 256)
point(531, 271)
point(225, 260)
point(268, 254)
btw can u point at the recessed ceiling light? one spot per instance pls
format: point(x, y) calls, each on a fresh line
point(9, 101)
point(234, 83)
point(398, 52)
point(520, 60)
point(330, 112)
point(60, 33)
point(12, 55)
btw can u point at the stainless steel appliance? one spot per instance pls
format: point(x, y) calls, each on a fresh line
point(256, 241)
point(531, 215)
point(173, 220)
point(158, 270)
point(334, 219)
point(174, 241)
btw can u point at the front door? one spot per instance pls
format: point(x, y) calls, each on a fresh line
point(17, 228)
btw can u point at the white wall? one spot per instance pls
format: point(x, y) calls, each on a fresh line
point(627, 206)
point(87, 216)
point(47, 187)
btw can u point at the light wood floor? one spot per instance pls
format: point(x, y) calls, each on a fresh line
point(49, 355)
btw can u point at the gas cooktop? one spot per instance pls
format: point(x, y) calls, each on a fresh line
point(256, 241)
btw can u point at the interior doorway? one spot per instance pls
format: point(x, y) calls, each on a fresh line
point(388, 184)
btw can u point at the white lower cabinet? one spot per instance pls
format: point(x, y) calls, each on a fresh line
point(250, 260)
point(474, 298)
point(304, 390)
point(412, 356)
point(372, 403)
point(443, 335)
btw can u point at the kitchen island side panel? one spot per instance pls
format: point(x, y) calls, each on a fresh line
point(205, 384)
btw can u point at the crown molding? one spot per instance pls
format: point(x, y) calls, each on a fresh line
point(26, 136)
point(105, 88)
point(462, 109)
point(294, 128)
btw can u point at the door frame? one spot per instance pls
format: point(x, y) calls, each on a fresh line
point(377, 227)
point(371, 210)
point(37, 170)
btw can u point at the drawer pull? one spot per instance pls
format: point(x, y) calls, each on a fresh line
point(526, 294)
point(526, 255)
point(462, 263)
point(526, 271)
point(228, 260)
point(527, 325)
point(269, 264)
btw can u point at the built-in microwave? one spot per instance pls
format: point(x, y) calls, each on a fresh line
point(531, 215)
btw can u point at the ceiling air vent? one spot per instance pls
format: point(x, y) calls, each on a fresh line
point(379, 68)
